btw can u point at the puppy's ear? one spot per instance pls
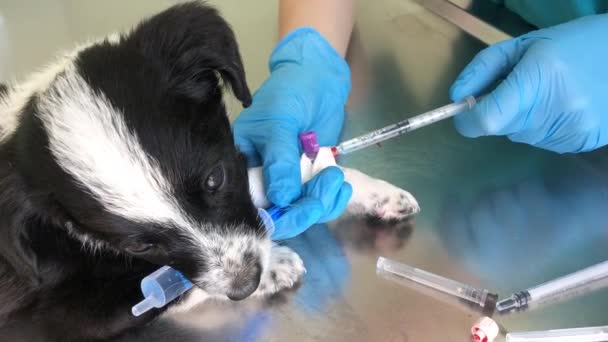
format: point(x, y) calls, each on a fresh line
point(192, 44)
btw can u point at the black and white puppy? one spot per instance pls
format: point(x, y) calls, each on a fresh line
point(119, 158)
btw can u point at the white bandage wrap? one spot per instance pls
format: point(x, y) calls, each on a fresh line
point(308, 169)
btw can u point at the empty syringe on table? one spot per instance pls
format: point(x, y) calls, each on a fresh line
point(554, 287)
point(481, 297)
point(588, 334)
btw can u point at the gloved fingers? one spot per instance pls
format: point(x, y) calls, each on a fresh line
point(487, 67)
point(247, 148)
point(300, 216)
point(329, 187)
point(505, 110)
point(559, 139)
point(328, 130)
point(573, 133)
point(324, 197)
point(281, 165)
point(340, 203)
point(326, 186)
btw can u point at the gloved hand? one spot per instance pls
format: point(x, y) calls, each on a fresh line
point(555, 95)
point(307, 90)
point(324, 198)
point(540, 15)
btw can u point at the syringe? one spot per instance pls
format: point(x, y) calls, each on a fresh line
point(554, 287)
point(165, 284)
point(481, 297)
point(404, 126)
point(568, 294)
point(589, 334)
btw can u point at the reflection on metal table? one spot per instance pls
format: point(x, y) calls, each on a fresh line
point(495, 214)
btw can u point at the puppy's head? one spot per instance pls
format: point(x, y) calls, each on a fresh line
point(133, 146)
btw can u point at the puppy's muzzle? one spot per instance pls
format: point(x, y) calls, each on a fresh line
point(244, 282)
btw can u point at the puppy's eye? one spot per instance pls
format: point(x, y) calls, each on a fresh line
point(215, 179)
point(139, 248)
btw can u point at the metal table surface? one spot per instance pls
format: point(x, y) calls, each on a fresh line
point(495, 214)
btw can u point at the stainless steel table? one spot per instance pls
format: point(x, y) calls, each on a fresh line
point(495, 214)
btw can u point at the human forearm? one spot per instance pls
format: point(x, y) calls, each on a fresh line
point(334, 19)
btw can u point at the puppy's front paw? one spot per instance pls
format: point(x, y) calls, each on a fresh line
point(283, 272)
point(390, 203)
point(379, 199)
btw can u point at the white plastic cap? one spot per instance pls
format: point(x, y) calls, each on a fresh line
point(485, 330)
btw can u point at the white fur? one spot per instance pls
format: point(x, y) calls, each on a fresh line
point(92, 244)
point(228, 263)
point(284, 270)
point(377, 198)
point(90, 140)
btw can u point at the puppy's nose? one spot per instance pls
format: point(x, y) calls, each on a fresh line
point(245, 283)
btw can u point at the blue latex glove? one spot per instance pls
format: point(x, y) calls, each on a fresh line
point(540, 15)
point(324, 198)
point(555, 95)
point(307, 90)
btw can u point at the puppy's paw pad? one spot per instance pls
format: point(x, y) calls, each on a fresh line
point(389, 202)
point(283, 272)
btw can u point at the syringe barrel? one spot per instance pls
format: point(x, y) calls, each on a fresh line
point(472, 294)
point(441, 113)
point(569, 281)
point(165, 284)
point(372, 138)
point(405, 126)
point(589, 334)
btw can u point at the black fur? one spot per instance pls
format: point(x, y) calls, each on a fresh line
point(3, 89)
point(165, 77)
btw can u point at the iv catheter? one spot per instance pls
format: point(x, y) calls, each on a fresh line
point(403, 127)
point(165, 284)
